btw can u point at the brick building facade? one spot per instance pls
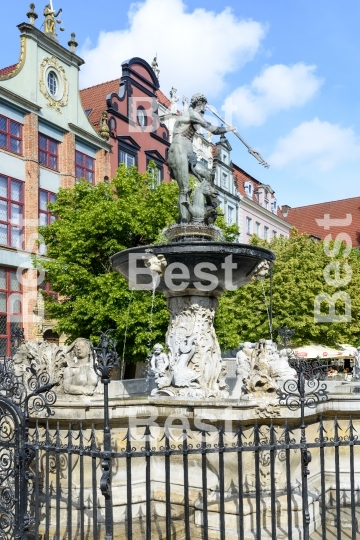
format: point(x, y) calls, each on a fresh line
point(136, 134)
point(46, 142)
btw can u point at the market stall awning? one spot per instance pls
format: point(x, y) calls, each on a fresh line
point(314, 351)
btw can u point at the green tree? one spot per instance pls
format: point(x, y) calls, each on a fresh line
point(94, 223)
point(298, 278)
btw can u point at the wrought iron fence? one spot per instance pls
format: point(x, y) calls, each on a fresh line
point(228, 481)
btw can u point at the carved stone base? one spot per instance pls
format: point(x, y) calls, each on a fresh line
point(197, 231)
point(196, 369)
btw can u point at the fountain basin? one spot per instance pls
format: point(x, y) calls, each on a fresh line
point(192, 275)
point(214, 259)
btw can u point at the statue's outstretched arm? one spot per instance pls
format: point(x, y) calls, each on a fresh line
point(198, 120)
point(58, 13)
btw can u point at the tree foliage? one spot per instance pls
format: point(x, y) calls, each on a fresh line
point(94, 223)
point(301, 272)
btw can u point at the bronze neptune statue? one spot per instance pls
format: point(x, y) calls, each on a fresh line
point(182, 160)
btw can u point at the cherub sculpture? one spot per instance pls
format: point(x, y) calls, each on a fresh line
point(159, 364)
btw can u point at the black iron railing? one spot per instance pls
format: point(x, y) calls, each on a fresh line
point(269, 479)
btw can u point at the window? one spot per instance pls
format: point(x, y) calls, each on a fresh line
point(155, 174)
point(248, 225)
point(85, 166)
point(53, 83)
point(10, 135)
point(48, 152)
point(230, 215)
point(248, 188)
point(46, 287)
point(224, 180)
point(128, 159)
point(266, 233)
point(141, 117)
point(257, 229)
point(274, 234)
point(10, 305)
point(45, 216)
point(204, 162)
point(11, 212)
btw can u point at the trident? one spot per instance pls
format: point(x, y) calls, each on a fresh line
point(251, 151)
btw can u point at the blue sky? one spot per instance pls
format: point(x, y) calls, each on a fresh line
point(289, 70)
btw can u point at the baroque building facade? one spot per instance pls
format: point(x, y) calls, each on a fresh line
point(130, 103)
point(46, 142)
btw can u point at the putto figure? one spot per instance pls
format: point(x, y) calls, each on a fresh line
point(182, 159)
point(159, 364)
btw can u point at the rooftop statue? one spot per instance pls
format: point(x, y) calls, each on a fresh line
point(50, 16)
point(182, 160)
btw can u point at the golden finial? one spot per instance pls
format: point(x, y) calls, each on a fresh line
point(72, 43)
point(31, 14)
point(104, 128)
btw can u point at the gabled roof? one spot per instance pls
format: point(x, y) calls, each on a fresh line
point(241, 176)
point(94, 98)
point(163, 99)
point(7, 70)
point(304, 218)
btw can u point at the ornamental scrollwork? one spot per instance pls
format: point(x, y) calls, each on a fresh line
point(63, 100)
point(308, 389)
point(31, 391)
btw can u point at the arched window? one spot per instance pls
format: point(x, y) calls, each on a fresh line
point(51, 337)
point(53, 83)
point(141, 117)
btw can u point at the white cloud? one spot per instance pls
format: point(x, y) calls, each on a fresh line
point(279, 87)
point(317, 144)
point(196, 50)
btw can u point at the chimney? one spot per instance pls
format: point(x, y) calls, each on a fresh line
point(285, 209)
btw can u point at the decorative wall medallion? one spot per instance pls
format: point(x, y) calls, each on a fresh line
point(53, 83)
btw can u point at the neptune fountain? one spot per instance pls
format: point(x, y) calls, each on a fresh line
point(192, 270)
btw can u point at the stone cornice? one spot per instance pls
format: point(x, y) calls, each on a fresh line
point(89, 137)
point(52, 46)
point(19, 101)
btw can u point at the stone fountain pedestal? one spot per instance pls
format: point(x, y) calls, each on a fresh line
point(192, 274)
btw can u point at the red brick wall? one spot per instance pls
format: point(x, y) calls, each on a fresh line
point(31, 216)
point(67, 161)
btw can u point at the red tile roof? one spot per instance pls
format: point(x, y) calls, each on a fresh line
point(163, 99)
point(7, 70)
point(241, 176)
point(94, 98)
point(304, 218)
